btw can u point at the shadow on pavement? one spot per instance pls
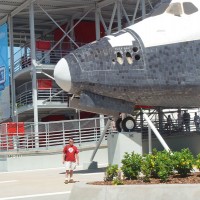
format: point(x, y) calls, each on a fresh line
point(88, 171)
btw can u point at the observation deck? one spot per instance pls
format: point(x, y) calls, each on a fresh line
point(50, 98)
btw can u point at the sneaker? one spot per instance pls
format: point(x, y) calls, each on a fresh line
point(66, 182)
point(71, 181)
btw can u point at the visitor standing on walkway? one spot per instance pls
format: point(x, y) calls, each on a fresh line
point(186, 120)
point(70, 159)
point(169, 123)
point(196, 121)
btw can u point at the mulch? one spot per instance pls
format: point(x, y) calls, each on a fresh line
point(193, 178)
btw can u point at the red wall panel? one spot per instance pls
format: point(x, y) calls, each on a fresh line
point(54, 118)
point(58, 33)
point(85, 115)
point(43, 45)
point(14, 128)
point(84, 33)
point(44, 84)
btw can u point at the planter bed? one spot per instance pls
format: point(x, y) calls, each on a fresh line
point(84, 191)
point(193, 178)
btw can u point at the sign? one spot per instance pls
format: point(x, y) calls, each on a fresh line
point(4, 75)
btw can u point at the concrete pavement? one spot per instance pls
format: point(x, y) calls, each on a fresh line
point(42, 184)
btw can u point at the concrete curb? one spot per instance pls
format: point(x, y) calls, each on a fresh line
point(84, 191)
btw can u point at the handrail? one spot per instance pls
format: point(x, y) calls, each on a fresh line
point(51, 135)
point(47, 95)
point(85, 132)
point(22, 58)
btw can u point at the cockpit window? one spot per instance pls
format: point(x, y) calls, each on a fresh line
point(119, 58)
point(175, 9)
point(129, 58)
point(189, 8)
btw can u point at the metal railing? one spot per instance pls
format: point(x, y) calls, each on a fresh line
point(166, 129)
point(53, 95)
point(54, 135)
point(51, 135)
point(22, 58)
point(24, 87)
point(24, 95)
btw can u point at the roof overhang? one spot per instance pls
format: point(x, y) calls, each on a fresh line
point(62, 11)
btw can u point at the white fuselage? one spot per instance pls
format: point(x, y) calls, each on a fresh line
point(165, 28)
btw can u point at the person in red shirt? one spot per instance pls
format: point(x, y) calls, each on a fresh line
point(70, 159)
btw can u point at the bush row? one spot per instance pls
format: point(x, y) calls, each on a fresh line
point(159, 164)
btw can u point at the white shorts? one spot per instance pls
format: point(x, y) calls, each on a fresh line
point(70, 165)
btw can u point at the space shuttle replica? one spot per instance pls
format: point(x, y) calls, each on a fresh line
point(155, 62)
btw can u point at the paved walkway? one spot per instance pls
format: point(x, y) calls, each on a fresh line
point(42, 184)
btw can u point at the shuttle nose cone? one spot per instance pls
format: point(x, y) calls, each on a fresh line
point(62, 75)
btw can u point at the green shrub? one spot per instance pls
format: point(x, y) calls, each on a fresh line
point(160, 164)
point(163, 172)
point(111, 172)
point(197, 161)
point(117, 181)
point(183, 162)
point(131, 165)
point(163, 165)
point(147, 167)
point(157, 165)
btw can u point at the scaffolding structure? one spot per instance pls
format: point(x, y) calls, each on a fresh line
point(31, 21)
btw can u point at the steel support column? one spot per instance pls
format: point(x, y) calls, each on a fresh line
point(34, 75)
point(112, 19)
point(12, 80)
point(100, 139)
point(135, 12)
point(141, 121)
point(160, 119)
point(97, 24)
point(150, 139)
point(119, 15)
point(97, 29)
point(72, 32)
point(103, 22)
point(125, 14)
point(143, 9)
